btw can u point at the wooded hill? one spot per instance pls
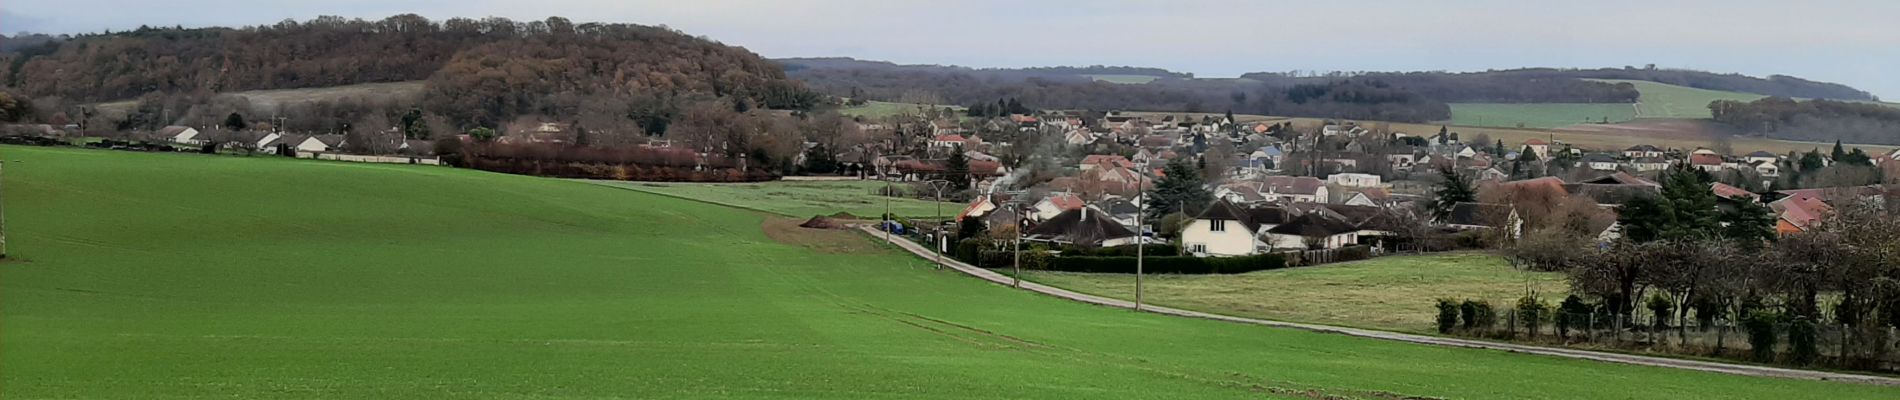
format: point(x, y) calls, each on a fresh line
point(478, 72)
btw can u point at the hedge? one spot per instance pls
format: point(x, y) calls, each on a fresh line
point(1124, 251)
point(1170, 264)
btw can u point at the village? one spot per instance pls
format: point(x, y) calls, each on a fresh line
point(1272, 186)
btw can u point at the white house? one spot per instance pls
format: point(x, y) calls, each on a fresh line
point(1078, 137)
point(183, 135)
point(1646, 164)
point(320, 144)
point(1642, 151)
point(1767, 169)
point(1225, 229)
point(268, 140)
point(1600, 161)
point(1760, 156)
point(1312, 229)
point(981, 206)
point(1539, 146)
point(1354, 180)
point(1295, 189)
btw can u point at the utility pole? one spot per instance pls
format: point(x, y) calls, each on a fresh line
point(1141, 195)
point(1017, 281)
point(3, 214)
point(887, 210)
point(942, 242)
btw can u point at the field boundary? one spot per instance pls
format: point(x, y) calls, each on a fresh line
point(1733, 369)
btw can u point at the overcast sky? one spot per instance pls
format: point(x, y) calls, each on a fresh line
point(1847, 41)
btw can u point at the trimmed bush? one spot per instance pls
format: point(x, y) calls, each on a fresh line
point(1447, 315)
point(1531, 314)
point(1572, 313)
point(1761, 334)
point(1659, 307)
point(1170, 264)
point(1801, 341)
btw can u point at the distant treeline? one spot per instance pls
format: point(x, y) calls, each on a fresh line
point(1812, 120)
point(1397, 96)
point(1043, 89)
point(1538, 84)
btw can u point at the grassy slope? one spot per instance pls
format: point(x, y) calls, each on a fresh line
point(182, 276)
point(1124, 79)
point(800, 199)
point(1540, 115)
point(269, 99)
point(1390, 293)
point(880, 109)
point(1661, 100)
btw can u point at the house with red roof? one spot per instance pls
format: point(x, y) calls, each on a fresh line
point(1094, 161)
point(1054, 205)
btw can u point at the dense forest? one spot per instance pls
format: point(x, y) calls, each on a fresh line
point(1812, 120)
point(479, 72)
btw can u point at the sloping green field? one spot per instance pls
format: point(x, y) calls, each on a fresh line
point(801, 199)
point(1123, 79)
point(155, 276)
point(1661, 100)
point(1658, 100)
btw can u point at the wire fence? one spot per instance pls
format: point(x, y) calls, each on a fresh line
point(1869, 348)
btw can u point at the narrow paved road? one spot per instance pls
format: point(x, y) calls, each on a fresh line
point(1725, 368)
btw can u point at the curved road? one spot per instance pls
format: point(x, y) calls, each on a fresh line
point(1737, 369)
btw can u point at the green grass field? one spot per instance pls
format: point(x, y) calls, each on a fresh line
point(1541, 115)
point(800, 198)
point(158, 276)
point(1123, 79)
point(1661, 100)
point(1389, 293)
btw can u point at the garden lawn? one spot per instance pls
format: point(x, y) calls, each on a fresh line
point(800, 198)
point(156, 276)
point(1394, 293)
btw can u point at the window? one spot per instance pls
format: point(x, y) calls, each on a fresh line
point(1197, 248)
point(1219, 225)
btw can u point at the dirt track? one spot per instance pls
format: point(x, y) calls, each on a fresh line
point(1736, 369)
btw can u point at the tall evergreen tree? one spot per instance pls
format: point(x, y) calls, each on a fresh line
point(1685, 210)
point(1456, 188)
point(1181, 190)
point(958, 170)
point(1838, 153)
point(234, 122)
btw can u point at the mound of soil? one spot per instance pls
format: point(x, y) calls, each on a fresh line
point(821, 222)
